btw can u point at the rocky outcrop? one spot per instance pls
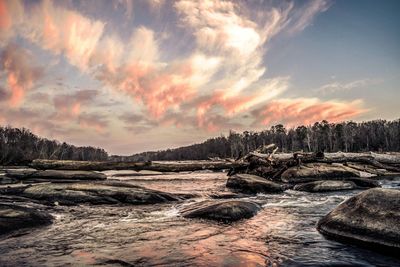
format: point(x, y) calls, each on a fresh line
point(252, 184)
point(370, 218)
point(317, 171)
point(227, 211)
point(93, 193)
point(38, 175)
point(325, 186)
point(13, 217)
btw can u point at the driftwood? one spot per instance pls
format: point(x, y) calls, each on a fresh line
point(161, 166)
point(267, 163)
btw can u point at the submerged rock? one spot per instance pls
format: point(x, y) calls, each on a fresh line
point(227, 211)
point(93, 193)
point(317, 171)
point(325, 186)
point(248, 183)
point(14, 217)
point(370, 218)
point(27, 174)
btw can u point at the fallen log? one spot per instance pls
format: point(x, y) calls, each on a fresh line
point(161, 166)
point(294, 166)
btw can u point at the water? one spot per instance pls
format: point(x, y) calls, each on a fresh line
point(282, 234)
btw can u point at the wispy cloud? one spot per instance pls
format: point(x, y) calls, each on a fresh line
point(299, 111)
point(340, 86)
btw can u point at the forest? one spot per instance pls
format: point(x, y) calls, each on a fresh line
point(20, 146)
point(376, 135)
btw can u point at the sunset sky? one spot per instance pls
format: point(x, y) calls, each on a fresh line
point(132, 76)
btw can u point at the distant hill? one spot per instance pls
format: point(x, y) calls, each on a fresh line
point(376, 135)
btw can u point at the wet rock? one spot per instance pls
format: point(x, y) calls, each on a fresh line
point(247, 183)
point(93, 193)
point(317, 171)
point(227, 211)
point(325, 186)
point(370, 218)
point(27, 174)
point(224, 195)
point(364, 182)
point(13, 217)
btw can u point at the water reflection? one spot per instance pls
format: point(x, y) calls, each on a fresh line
point(282, 233)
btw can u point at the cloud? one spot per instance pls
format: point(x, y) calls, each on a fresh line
point(67, 105)
point(4, 94)
point(92, 121)
point(339, 86)
point(297, 111)
point(17, 65)
point(11, 14)
point(64, 31)
point(304, 16)
point(222, 76)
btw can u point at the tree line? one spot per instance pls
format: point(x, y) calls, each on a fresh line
point(376, 135)
point(21, 146)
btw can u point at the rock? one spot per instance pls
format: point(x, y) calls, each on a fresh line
point(370, 218)
point(325, 186)
point(227, 211)
point(13, 217)
point(28, 174)
point(247, 183)
point(364, 182)
point(317, 171)
point(224, 195)
point(93, 193)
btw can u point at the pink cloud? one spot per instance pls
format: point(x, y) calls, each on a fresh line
point(16, 63)
point(5, 16)
point(298, 111)
point(64, 31)
point(68, 106)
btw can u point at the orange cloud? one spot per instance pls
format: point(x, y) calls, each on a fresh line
point(17, 64)
point(5, 16)
point(293, 112)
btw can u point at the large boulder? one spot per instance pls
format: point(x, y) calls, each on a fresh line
point(29, 174)
point(317, 171)
point(14, 218)
point(325, 186)
point(252, 184)
point(370, 218)
point(227, 211)
point(93, 193)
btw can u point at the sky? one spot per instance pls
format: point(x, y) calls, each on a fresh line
point(132, 76)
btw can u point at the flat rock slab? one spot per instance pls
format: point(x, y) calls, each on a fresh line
point(92, 193)
point(370, 218)
point(227, 211)
point(252, 184)
point(325, 186)
point(317, 171)
point(26, 174)
point(13, 217)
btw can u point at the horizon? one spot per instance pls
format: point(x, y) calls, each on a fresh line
point(152, 75)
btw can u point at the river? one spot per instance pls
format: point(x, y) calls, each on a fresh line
point(282, 234)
